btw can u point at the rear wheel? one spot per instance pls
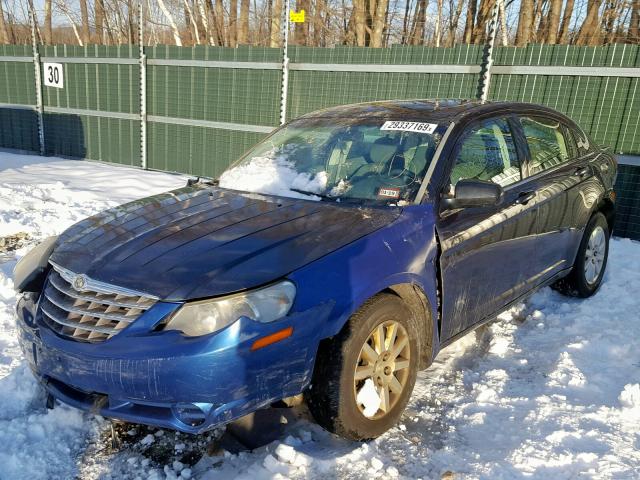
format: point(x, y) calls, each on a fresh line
point(591, 261)
point(365, 375)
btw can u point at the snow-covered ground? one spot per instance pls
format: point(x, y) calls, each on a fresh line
point(550, 391)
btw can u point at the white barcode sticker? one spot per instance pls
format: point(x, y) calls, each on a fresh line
point(419, 127)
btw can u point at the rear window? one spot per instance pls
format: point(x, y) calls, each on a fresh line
point(549, 143)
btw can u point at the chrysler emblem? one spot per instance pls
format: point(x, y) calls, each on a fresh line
point(79, 282)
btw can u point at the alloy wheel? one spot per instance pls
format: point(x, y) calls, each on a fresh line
point(594, 255)
point(385, 359)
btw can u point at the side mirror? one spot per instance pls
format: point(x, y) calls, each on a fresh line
point(474, 193)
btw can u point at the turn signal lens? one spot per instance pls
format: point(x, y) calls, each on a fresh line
point(273, 338)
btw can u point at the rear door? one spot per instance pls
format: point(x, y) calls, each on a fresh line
point(560, 177)
point(488, 253)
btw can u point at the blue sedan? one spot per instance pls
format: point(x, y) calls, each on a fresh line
point(334, 260)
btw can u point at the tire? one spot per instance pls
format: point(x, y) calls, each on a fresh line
point(590, 264)
point(334, 389)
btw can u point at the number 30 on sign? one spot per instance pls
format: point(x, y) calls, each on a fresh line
point(53, 75)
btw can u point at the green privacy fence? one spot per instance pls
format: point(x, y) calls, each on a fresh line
point(628, 199)
point(203, 106)
point(206, 105)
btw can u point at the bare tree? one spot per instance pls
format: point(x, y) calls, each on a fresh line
point(472, 8)
point(243, 32)
point(525, 22)
point(634, 23)
point(360, 18)
point(553, 23)
point(437, 33)
point(566, 20)
point(218, 13)
point(373, 23)
point(538, 24)
point(502, 12)
point(419, 23)
point(454, 18)
point(84, 15)
point(589, 33)
point(4, 34)
point(589, 27)
point(47, 22)
point(233, 23)
point(172, 23)
point(482, 19)
point(275, 31)
point(99, 14)
point(61, 5)
point(319, 19)
point(378, 21)
point(191, 23)
point(301, 30)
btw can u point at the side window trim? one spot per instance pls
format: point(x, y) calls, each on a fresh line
point(522, 147)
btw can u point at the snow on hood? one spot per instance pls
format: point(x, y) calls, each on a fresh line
point(273, 174)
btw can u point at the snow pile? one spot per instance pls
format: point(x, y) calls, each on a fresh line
point(549, 391)
point(630, 400)
point(275, 175)
point(42, 197)
point(368, 397)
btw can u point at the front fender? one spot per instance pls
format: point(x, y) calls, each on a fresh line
point(403, 252)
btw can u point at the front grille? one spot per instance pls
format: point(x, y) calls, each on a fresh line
point(97, 312)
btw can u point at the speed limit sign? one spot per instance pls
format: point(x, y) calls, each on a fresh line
point(53, 75)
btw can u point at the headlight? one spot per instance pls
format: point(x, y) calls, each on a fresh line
point(208, 316)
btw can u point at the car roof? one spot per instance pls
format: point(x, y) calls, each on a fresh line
point(432, 110)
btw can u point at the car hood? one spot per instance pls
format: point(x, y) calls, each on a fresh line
point(203, 241)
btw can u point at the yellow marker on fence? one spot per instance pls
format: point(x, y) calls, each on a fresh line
point(296, 17)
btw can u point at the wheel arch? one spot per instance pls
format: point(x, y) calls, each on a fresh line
point(418, 302)
point(420, 307)
point(608, 209)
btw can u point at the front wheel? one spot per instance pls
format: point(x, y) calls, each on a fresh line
point(591, 261)
point(364, 376)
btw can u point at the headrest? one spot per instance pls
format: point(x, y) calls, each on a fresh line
point(382, 150)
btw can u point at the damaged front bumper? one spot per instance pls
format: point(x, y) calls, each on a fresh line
point(164, 379)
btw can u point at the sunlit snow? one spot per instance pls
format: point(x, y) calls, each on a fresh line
point(368, 397)
point(551, 391)
point(274, 175)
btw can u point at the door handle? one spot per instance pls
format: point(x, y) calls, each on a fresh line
point(525, 197)
point(582, 172)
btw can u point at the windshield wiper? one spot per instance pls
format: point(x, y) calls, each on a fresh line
point(306, 192)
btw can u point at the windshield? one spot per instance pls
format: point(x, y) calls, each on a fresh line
point(335, 159)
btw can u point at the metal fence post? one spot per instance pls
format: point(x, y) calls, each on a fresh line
point(38, 78)
point(285, 65)
point(487, 59)
point(143, 87)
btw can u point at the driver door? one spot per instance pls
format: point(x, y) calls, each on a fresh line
point(488, 253)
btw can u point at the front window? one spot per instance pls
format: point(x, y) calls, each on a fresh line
point(338, 159)
point(488, 152)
